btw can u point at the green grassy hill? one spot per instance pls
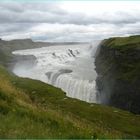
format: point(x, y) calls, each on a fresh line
point(123, 43)
point(33, 109)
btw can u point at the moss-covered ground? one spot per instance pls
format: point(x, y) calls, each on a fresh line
point(126, 56)
point(33, 109)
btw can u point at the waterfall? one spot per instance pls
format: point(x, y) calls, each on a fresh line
point(69, 67)
point(80, 89)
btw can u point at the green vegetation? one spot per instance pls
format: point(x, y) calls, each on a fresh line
point(123, 43)
point(33, 109)
point(130, 72)
point(126, 55)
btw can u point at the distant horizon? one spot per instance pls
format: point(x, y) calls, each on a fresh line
point(17, 39)
point(39, 40)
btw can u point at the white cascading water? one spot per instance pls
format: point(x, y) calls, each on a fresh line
point(69, 67)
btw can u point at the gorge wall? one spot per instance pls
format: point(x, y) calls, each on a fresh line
point(118, 67)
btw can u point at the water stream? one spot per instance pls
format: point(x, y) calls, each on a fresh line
point(69, 67)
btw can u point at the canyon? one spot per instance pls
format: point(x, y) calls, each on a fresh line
point(69, 67)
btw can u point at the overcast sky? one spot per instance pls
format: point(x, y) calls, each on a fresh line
point(69, 20)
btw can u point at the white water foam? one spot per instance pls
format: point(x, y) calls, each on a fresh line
point(69, 67)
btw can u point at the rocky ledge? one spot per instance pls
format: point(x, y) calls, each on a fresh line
point(118, 67)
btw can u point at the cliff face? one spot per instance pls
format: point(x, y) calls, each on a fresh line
point(118, 67)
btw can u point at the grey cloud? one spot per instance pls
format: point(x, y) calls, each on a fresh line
point(22, 20)
point(51, 13)
point(8, 28)
point(66, 32)
point(12, 7)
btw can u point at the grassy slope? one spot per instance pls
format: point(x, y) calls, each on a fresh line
point(129, 48)
point(32, 109)
point(123, 43)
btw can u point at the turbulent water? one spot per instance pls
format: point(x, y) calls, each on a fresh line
point(70, 67)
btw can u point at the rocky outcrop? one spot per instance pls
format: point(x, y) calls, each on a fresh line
point(118, 67)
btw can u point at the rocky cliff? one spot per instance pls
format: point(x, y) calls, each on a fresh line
point(118, 67)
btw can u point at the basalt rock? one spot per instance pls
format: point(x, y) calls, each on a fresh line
point(118, 67)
